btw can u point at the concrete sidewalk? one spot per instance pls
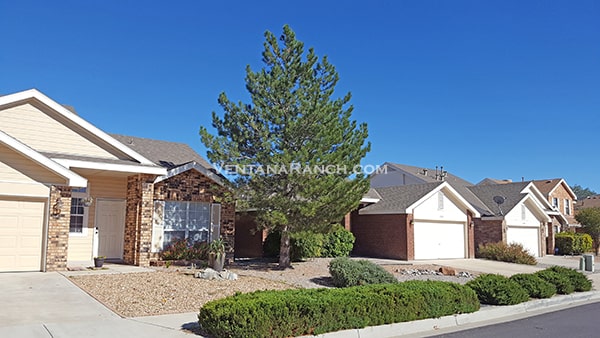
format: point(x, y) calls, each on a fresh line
point(37, 304)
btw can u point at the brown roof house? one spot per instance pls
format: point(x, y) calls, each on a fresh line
point(70, 192)
point(417, 221)
point(523, 217)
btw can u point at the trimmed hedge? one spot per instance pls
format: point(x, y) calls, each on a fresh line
point(348, 272)
point(570, 243)
point(512, 253)
point(562, 283)
point(579, 281)
point(305, 244)
point(498, 290)
point(292, 313)
point(534, 285)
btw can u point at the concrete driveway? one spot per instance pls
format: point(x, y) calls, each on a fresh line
point(40, 304)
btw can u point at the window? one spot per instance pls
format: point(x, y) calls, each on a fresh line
point(567, 207)
point(523, 212)
point(188, 220)
point(555, 202)
point(77, 223)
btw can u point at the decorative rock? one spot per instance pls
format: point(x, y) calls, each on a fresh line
point(228, 275)
point(464, 274)
point(212, 274)
point(447, 271)
point(209, 274)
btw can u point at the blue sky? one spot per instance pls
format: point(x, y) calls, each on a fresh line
point(502, 89)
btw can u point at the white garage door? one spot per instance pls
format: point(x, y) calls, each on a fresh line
point(528, 237)
point(21, 225)
point(439, 240)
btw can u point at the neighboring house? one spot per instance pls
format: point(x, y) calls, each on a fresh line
point(516, 213)
point(69, 191)
point(417, 221)
point(561, 197)
point(525, 221)
point(588, 202)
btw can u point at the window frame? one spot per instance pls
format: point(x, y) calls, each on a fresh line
point(184, 223)
point(79, 194)
point(567, 207)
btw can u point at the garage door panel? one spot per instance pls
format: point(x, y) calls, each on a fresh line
point(21, 224)
point(528, 237)
point(439, 240)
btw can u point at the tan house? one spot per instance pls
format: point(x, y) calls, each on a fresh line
point(69, 191)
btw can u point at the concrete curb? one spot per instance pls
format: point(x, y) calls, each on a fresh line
point(486, 313)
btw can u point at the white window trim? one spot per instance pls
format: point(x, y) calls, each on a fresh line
point(86, 215)
point(567, 207)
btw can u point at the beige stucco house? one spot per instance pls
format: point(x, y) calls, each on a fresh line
point(69, 191)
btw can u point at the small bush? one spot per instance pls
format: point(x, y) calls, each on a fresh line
point(563, 284)
point(292, 313)
point(570, 243)
point(305, 244)
point(498, 290)
point(579, 281)
point(347, 272)
point(181, 249)
point(338, 242)
point(512, 253)
point(534, 285)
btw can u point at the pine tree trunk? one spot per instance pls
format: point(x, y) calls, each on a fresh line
point(284, 249)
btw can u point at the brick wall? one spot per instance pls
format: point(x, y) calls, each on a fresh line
point(196, 187)
point(248, 239)
point(385, 236)
point(488, 231)
point(561, 193)
point(138, 220)
point(58, 229)
point(470, 235)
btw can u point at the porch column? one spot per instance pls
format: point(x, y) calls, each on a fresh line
point(470, 235)
point(550, 243)
point(138, 220)
point(59, 217)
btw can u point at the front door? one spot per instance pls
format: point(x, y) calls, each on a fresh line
point(110, 222)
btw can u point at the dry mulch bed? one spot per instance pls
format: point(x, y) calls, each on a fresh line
point(169, 290)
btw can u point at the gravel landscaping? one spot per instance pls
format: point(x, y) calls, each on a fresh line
point(170, 290)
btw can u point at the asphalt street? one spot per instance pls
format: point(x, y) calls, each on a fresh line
point(579, 321)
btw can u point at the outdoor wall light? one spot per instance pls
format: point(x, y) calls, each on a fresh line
point(87, 201)
point(56, 209)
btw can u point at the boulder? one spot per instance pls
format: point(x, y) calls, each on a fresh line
point(447, 271)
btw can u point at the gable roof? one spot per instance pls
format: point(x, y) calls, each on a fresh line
point(163, 153)
point(459, 184)
point(547, 187)
point(174, 156)
point(397, 199)
point(72, 178)
point(37, 96)
point(512, 192)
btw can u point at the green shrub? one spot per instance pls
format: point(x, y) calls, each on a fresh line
point(512, 253)
point(579, 281)
point(534, 285)
point(338, 242)
point(498, 290)
point(570, 243)
point(305, 244)
point(347, 272)
point(563, 284)
point(292, 313)
point(272, 244)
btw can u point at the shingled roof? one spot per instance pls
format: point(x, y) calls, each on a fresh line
point(459, 184)
point(165, 154)
point(397, 198)
point(512, 192)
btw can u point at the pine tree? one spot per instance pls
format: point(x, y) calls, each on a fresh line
point(295, 147)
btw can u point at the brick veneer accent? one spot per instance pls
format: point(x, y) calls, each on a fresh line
point(138, 220)
point(58, 229)
point(488, 231)
point(388, 236)
point(470, 235)
point(195, 186)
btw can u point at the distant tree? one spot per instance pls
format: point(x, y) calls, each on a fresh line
point(582, 192)
point(589, 219)
point(279, 143)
